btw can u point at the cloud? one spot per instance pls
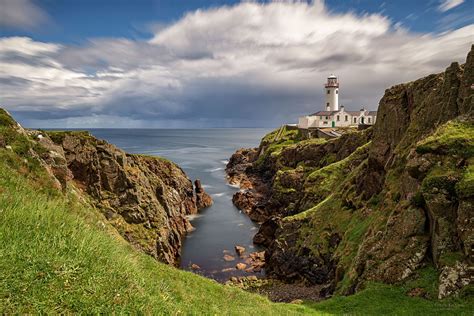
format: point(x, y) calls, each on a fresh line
point(244, 65)
point(446, 5)
point(23, 14)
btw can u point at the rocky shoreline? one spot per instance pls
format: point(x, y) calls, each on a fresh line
point(253, 199)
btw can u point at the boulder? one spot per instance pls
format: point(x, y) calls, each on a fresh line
point(203, 199)
point(240, 266)
point(453, 278)
point(239, 250)
point(229, 258)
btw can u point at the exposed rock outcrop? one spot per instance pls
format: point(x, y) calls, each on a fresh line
point(146, 199)
point(375, 205)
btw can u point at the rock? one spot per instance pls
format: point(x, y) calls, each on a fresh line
point(297, 301)
point(229, 258)
point(252, 278)
point(227, 269)
point(146, 198)
point(258, 256)
point(240, 266)
point(239, 250)
point(453, 279)
point(266, 232)
point(234, 280)
point(239, 162)
point(195, 267)
point(203, 199)
point(9, 147)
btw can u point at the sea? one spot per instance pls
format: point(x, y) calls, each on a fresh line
point(202, 154)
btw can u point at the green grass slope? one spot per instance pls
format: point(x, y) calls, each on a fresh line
point(57, 256)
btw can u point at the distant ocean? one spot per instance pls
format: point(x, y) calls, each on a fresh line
point(203, 154)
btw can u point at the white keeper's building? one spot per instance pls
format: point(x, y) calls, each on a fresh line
point(336, 116)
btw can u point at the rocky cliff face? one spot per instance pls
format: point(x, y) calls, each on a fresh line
point(145, 198)
point(376, 205)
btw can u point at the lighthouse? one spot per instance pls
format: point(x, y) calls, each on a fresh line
point(333, 116)
point(332, 93)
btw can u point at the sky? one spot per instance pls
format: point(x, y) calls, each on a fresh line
point(198, 64)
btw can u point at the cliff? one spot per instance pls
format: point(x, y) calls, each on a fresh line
point(381, 205)
point(146, 199)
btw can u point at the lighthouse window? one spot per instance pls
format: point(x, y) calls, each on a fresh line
point(338, 117)
point(327, 118)
point(327, 104)
point(337, 91)
point(369, 119)
point(346, 118)
point(355, 119)
point(329, 91)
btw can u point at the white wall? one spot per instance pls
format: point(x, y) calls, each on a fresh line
point(303, 122)
point(342, 119)
point(332, 98)
point(316, 121)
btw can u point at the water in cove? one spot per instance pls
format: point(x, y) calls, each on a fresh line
point(203, 154)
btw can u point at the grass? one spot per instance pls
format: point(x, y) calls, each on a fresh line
point(6, 119)
point(454, 138)
point(57, 256)
point(58, 136)
point(465, 187)
point(383, 299)
point(273, 146)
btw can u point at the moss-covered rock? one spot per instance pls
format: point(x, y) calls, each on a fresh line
point(380, 204)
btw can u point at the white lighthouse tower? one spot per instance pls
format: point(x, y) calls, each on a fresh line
point(332, 93)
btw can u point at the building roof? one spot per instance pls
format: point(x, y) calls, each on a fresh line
point(324, 113)
point(353, 113)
